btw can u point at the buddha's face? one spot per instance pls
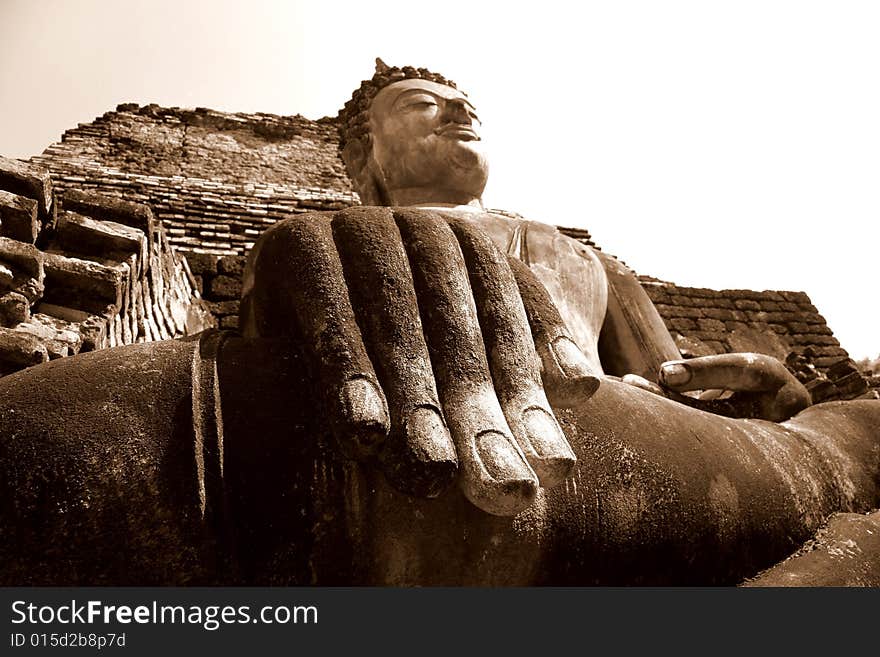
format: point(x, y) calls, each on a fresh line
point(426, 135)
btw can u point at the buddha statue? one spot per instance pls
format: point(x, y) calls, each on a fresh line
point(410, 139)
point(424, 392)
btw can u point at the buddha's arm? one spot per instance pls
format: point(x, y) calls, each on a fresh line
point(635, 341)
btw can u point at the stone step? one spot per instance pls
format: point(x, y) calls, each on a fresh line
point(76, 233)
point(108, 208)
point(28, 180)
point(19, 350)
point(25, 258)
point(61, 312)
point(83, 284)
point(18, 217)
point(60, 338)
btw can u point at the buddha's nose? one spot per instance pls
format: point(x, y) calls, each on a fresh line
point(456, 110)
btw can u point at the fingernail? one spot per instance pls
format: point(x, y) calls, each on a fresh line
point(428, 437)
point(424, 464)
point(675, 374)
point(501, 458)
point(569, 357)
point(553, 457)
point(544, 435)
point(362, 404)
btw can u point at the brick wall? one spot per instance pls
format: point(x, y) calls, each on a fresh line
point(783, 324)
point(80, 272)
point(215, 179)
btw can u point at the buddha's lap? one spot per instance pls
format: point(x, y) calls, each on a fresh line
point(661, 493)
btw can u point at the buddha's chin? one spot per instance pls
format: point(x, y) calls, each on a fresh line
point(468, 161)
point(466, 154)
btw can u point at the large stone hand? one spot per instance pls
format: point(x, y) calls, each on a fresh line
point(402, 313)
point(764, 384)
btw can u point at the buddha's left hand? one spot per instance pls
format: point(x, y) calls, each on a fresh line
point(762, 382)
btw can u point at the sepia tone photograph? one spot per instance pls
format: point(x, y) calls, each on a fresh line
point(382, 294)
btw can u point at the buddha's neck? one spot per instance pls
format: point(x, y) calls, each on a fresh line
point(433, 197)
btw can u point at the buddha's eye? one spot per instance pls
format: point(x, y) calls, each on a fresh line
point(420, 103)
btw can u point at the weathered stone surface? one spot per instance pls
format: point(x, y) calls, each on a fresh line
point(6, 277)
point(682, 324)
point(222, 308)
point(747, 304)
point(26, 179)
point(765, 342)
point(231, 266)
point(201, 263)
point(842, 368)
point(83, 284)
point(18, 217)
point(216, 180)
point(796, 325)
point(710, 325)
point(821, 390)
point(18, 350)
point(107, 208)
point(24, 257)
point(72, 315)
point(14, 308)
point(61, 338)
point(94, 333)
point(846, 552)
point(77, 233)
point(225, 287)
point(851, 385)
point(692, 347)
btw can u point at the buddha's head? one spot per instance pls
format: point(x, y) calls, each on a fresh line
point(409, 136)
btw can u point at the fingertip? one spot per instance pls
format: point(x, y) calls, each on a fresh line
point(675, 373)
point(362, 425)
point(568, 378)
point(547, 449)
point(571, 392)
point(500, 480)
point(423, 463)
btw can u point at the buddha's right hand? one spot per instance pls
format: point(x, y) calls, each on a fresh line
point(403, 313)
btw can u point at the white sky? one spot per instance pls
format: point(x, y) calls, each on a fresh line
point(715, 144)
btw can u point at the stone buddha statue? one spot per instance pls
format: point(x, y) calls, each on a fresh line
point(424, 392)
point(545, 313)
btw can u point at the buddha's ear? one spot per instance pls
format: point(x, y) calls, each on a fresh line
point(354, 155)
point(363, 172)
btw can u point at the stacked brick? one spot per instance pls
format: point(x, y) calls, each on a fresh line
point(219, 281)
point(83, 272)
point(216, 180)
point(778, 323)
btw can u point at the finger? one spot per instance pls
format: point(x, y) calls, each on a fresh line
point(494, 474)
point(418, 456)
point(643, 383)
point(568, 378)
point(740, 372)
point(300, 294)
point(513, 362)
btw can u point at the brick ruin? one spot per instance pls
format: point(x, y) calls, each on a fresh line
point(80, 272)
point(215, 180)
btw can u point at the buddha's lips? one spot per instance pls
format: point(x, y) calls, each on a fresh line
point(457, 130)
